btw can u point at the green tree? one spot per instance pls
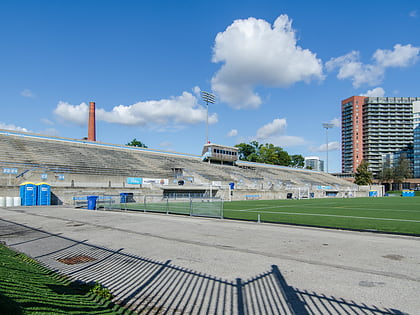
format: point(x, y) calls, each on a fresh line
point(137, 143)
point(396, 173)
point(266, 153)
point(297, 160)
point(363, 176)
point(402, 170)
point(245, 150)
point(387, 173)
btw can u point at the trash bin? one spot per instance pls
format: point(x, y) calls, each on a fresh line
point(92, 202)
point(123, 197)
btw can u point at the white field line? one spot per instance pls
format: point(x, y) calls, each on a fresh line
point(337, 216)
point(323, 207)
point(365, 209)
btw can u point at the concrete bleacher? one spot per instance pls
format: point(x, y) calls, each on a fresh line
point(92, 163)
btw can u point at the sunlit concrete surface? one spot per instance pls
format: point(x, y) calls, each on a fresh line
point(180, 264)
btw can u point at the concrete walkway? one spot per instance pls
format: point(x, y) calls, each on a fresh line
point(176, 264)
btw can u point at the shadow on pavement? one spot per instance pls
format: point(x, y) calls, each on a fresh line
point(149, 286)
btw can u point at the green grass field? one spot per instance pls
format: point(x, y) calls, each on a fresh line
point(28, 288)
point(386, 214)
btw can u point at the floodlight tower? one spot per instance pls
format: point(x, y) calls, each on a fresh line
point(327, 126)
point(208, 98)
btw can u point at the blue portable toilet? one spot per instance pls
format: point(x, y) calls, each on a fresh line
point(28, 194)
point(92, 202)
point(43, 194)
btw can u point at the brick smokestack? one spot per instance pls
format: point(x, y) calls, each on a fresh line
point(92, 122)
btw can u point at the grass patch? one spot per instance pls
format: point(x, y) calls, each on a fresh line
point(28, 288)
point(388, 214)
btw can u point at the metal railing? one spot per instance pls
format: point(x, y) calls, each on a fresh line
point(184, 204)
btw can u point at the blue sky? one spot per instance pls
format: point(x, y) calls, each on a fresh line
point(279, 69)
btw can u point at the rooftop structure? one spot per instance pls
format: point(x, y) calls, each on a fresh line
point(219, 153)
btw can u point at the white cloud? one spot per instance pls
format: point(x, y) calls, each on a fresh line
point(75, 114)
point(336, 122)
point(196, 90)
point(12, 127)
point(285, 140)
point(166, 144)
point(47, 121)
point(277, 126)
point(274, 132)
point(27, 93)
point(401, 56)
point(413, 14)
point(376, 92)
point(232, 133)
point(332, 146)
point(350, 66)
point(183, 109)
point(256, 53)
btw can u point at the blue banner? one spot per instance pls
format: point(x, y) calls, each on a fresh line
point(134, 180)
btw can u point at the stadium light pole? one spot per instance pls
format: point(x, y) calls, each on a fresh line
point(327, 126)
point(208, 98)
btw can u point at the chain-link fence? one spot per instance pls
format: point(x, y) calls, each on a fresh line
point(174, 204)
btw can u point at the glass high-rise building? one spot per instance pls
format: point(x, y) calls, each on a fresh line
point(416, 128)
point(314, 163)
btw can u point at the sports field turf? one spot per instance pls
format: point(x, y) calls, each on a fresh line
point(386, 214)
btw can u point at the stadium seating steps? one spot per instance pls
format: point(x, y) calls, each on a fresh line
point(84, 157)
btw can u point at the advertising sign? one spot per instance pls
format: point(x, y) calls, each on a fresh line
point(156, 181)
point(134, 180)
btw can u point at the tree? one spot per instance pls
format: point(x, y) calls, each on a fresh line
point(137, 143)
point(297, 160)
point(402, 170)
point(387, 172)
point(363, 176)
point(396, 173)
point(268, 153)
point(245, 150)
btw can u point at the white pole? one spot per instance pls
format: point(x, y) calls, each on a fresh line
point(207, 123)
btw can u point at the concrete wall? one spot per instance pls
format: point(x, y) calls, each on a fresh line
point(63, 191)
point(64, 195)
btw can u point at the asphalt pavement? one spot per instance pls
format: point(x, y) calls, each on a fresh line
point(174, 264)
